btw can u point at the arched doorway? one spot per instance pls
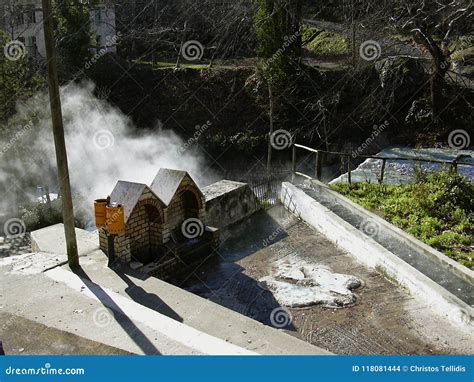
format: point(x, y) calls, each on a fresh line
point(191, 204)
point(155, 229)
point(146, 242)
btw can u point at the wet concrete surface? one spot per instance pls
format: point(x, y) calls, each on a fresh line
point(385, 319)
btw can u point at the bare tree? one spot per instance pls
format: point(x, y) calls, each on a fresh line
point(224, 28)
point(433, 26)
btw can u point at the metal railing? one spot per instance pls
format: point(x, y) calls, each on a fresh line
point(319, 156)
point(267, 190)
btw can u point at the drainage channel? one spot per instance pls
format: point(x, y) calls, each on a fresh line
point(459, 287)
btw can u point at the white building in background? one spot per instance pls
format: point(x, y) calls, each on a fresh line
point(23, 20)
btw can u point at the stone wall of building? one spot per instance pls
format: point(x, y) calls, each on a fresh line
point(151, 226)
point(228, 202)
point(177, 211)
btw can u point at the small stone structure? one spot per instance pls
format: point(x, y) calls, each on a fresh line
point(228, 202)
point(164, 223)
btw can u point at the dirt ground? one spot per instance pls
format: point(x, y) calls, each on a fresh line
point(385, 319)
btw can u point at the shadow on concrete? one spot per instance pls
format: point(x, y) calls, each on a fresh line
point(119, 315)
point(150, 300)
point(253, 234)
point(225, 284)
point(222, 281)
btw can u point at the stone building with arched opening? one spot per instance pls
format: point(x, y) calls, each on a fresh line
point(154, 218)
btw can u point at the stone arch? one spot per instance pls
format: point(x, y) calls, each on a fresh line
point(192, 202)
point(146, 231)
point(154, 208)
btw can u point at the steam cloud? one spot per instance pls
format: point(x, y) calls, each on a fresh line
point(102, 148)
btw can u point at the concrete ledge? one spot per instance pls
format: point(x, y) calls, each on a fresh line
point(228, 202)
point(176, 331)
point(199, 313)
point(408, 239)
point(52, 240)
point(372, 254)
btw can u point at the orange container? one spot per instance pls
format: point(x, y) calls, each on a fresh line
point(115, 220)
point(100, 206)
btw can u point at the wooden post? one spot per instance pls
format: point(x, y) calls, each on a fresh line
point(454, 166)
point(382, 170)
point(110, 249)
point(293, 164)
point(59, 142)
point(319, 165)
point(349, 180)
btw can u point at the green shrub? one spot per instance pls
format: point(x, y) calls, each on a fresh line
point(326, 43)
point(38, 215)
point(438, 209)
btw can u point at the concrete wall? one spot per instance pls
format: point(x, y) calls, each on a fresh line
point(103, 25)
point(227, 202)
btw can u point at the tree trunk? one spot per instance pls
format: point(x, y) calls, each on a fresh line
point(440, 67)
point(270, 100)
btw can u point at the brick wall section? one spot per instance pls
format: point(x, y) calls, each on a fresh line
point(144, 229)
point(175, 212)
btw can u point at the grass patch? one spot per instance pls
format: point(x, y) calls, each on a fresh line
point(326, 43)
point(167, 65)
point(438, 209)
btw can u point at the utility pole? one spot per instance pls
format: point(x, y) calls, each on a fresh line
point(59, 142)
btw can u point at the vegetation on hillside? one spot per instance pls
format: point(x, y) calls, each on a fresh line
point(325, 43)
point(17, 81)
point(438, 209)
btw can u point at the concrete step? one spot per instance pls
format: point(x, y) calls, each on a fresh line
point(164, 318)
point(188, 337)
point(194, 311)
